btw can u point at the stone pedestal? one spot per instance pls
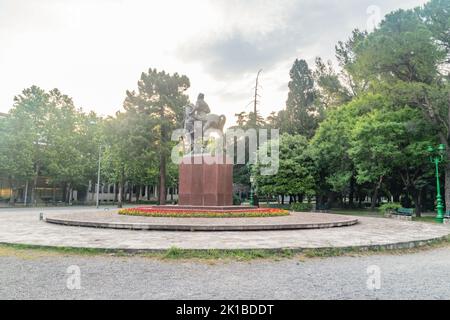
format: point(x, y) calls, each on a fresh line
point(205, 181)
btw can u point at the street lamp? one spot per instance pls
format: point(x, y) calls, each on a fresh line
point(97, 201)
point(98, 175)
point(436, 157)
point(252, 199)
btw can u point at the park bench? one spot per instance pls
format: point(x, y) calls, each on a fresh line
point(323, 208)
point(403, 213)
point(447, 217)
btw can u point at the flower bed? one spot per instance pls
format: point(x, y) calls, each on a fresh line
point(199, 213)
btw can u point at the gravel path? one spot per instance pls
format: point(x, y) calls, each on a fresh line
point(414, 276)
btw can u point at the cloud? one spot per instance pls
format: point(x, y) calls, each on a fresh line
point(261, 34)
point(95, 50)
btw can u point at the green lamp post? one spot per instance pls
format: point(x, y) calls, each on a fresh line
point(252, 199)
point(436, 157)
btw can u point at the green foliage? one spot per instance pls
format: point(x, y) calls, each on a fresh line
point(302, 113)
point(301, 207)
point(158, 108)
point(330, 146)
point(295, 173)
point(236, 200)
point(401, 49)
point(389, 207)
point(386, 140)
point(435, 16)
point(44, 134)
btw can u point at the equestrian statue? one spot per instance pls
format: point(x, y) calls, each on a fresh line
point(201, 112)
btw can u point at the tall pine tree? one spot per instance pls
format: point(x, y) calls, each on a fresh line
point(160, 98)
point(303, 114)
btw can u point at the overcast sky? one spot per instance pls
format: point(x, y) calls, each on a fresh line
point(96, 50)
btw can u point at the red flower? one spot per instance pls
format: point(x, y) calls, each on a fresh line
point(175, 212)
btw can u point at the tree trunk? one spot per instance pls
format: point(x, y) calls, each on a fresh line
point(70, 195)
point(162, 179)
point(351, 193)
point(373, 200)
point(360, 200)
point(12, 198)
point(68, 187)
point(121, 187)
point(396, 197)
point(319, 201)
point(417, 204)
point(138, 194)
point(25, 197)
point(64, 193)
point(120, 196)
point(331, 199)
point(375, 194)
point(130, 192)
point(33, 191)
point(54, 194)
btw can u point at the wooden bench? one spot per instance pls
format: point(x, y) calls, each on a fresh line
point(324, 208)
point(447, 217)
point(403, 213)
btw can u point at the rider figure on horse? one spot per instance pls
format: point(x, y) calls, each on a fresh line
point(201, 109)
point(201, 112)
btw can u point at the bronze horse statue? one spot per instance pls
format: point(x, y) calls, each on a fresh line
point(214, 121)
point(201, 112)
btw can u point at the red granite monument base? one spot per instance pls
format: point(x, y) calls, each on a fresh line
point(205, 181)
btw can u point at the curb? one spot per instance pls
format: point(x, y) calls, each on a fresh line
point(193, 227)
point(363, 248)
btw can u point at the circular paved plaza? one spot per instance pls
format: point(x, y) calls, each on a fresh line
point(112, 220)
point(22, 226)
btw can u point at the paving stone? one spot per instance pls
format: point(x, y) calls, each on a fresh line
point(23, 226)
point(112, 220)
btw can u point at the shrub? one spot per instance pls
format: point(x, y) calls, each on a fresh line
point(301, 207)
point(146, 202)
point(236, 200)
point(389, 207)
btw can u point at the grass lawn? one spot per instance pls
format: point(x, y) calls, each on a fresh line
point(357, 212)
point(428, 217)
point(30, 252)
